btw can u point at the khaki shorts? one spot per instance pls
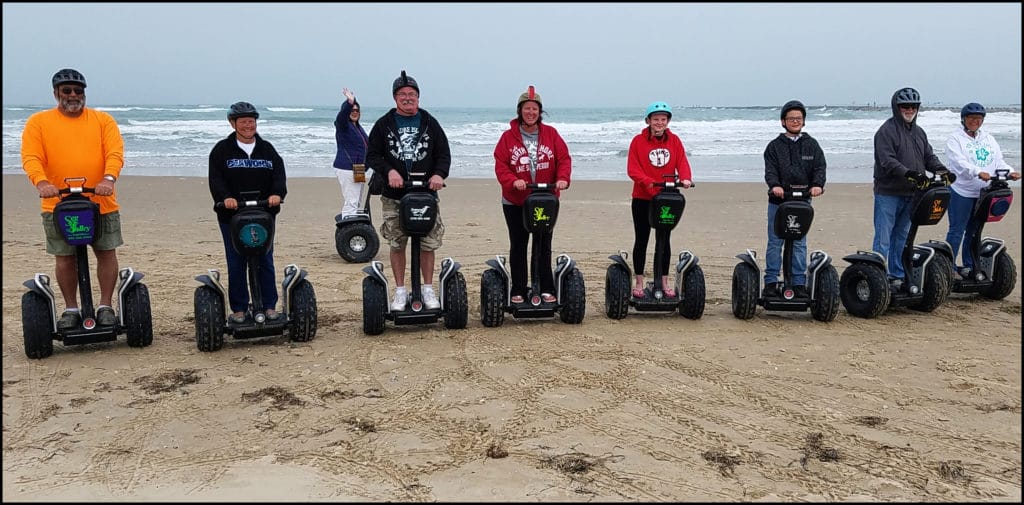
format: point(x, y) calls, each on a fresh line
point(110, 237)
point(391, 228)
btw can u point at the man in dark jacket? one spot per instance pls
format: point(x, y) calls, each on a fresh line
point(793, 160)
point(245, 162)
point(902, 155)
point(407, 143)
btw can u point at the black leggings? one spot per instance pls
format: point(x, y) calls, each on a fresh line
point(518, 238)
point(642, 232)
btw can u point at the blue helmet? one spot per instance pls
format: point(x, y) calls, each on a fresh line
point(972, 108)
point(658, 107)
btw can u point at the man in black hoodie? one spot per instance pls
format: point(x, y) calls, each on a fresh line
point(407, 143)
point(902, 155)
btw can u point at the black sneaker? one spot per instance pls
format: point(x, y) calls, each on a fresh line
point(800, 292)
point(69, 320)
point(771, 290)
point(106, 316)
point(895, 285)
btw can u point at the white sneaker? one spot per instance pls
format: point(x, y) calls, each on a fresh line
point(400, 300)
point(429, 298)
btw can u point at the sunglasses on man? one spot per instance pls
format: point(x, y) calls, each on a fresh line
point(67, 90)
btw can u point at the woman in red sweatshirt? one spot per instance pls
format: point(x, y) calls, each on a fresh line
point(655, 155)
point(529, 152)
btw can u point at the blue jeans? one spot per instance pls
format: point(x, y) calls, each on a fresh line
point(238, 279)
point(892, 225)
point(773, 257)
point(960, 210)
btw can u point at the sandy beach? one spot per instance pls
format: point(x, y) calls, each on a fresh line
point(910, 406)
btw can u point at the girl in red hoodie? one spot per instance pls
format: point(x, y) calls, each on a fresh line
point(529, 152)
point(655, 155)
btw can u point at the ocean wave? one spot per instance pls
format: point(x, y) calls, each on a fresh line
point(289, 109)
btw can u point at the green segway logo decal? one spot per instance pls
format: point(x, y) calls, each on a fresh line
point(253, 235)
point(73, 228)
point(666, 216)
point(538, 215)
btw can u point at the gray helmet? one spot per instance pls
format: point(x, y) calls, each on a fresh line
point(68, 75)
point(403, 81)
point(242, 109)
point(793, 105)
point(907, 96)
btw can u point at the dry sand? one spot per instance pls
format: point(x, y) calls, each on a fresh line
point(906, 407)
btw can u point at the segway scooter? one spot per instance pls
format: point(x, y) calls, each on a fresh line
point(792, 222)
point(417, 214)
point(540, 212)
point(354, 236)
point(252, 235)
point(666, 211)
point(77, 219)
point(994, 274)
point(864, 286)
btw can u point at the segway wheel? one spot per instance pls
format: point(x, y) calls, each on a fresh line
point(138, 317)
point(936, 285)
point(825, 306)
point(945, 265)
point(1004, 278)
point(356, 242)
point(864, 290)
point(302, 312)
point(692, 304)
point(616, 292)
point(375, 304)
point(575, 291)
point(456, 302)
point(492, 298)
point(37, 325)
point(209, 309)
point(744, 291)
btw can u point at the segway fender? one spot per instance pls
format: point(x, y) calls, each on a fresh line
point(869, 257)
point(941, 246)
point(499, 264)
point(563, 265)
point(750, 258)
point(340, 221)
point(620, 260)
point(818, 260)
point(686, 261)
point(41, 284)
point(448, 269)
point(212, 280)
point(376, 271)
point(292, 275)
point(128, 277)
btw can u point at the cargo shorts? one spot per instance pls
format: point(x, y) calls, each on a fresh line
point(110, 237)
point(391, 228)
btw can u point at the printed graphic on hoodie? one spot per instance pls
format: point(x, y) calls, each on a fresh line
point(659, 157)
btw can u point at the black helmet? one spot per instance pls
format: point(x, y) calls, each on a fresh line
point(403, 81)
point(242, 109)
point(907, 96)
point(972, 108)
point(68, 75)
point(791, 105)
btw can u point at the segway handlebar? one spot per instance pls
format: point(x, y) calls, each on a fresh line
point(673, 184)
point(796, 193)
point(248, 203)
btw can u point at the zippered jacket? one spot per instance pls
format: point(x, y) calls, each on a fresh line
point(232, 172)
point(350, 137)
point(899, 148)
point(789, 162)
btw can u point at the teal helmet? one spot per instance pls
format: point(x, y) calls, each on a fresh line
point(658, 107)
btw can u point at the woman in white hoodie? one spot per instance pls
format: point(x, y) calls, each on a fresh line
point(974, 156)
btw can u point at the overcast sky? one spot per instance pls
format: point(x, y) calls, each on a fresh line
point(484, 55)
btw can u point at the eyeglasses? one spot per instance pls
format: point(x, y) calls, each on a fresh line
point(407, 95)
point(909, 106)
point(67, 90)
point(794, 119)
point(355, 110)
